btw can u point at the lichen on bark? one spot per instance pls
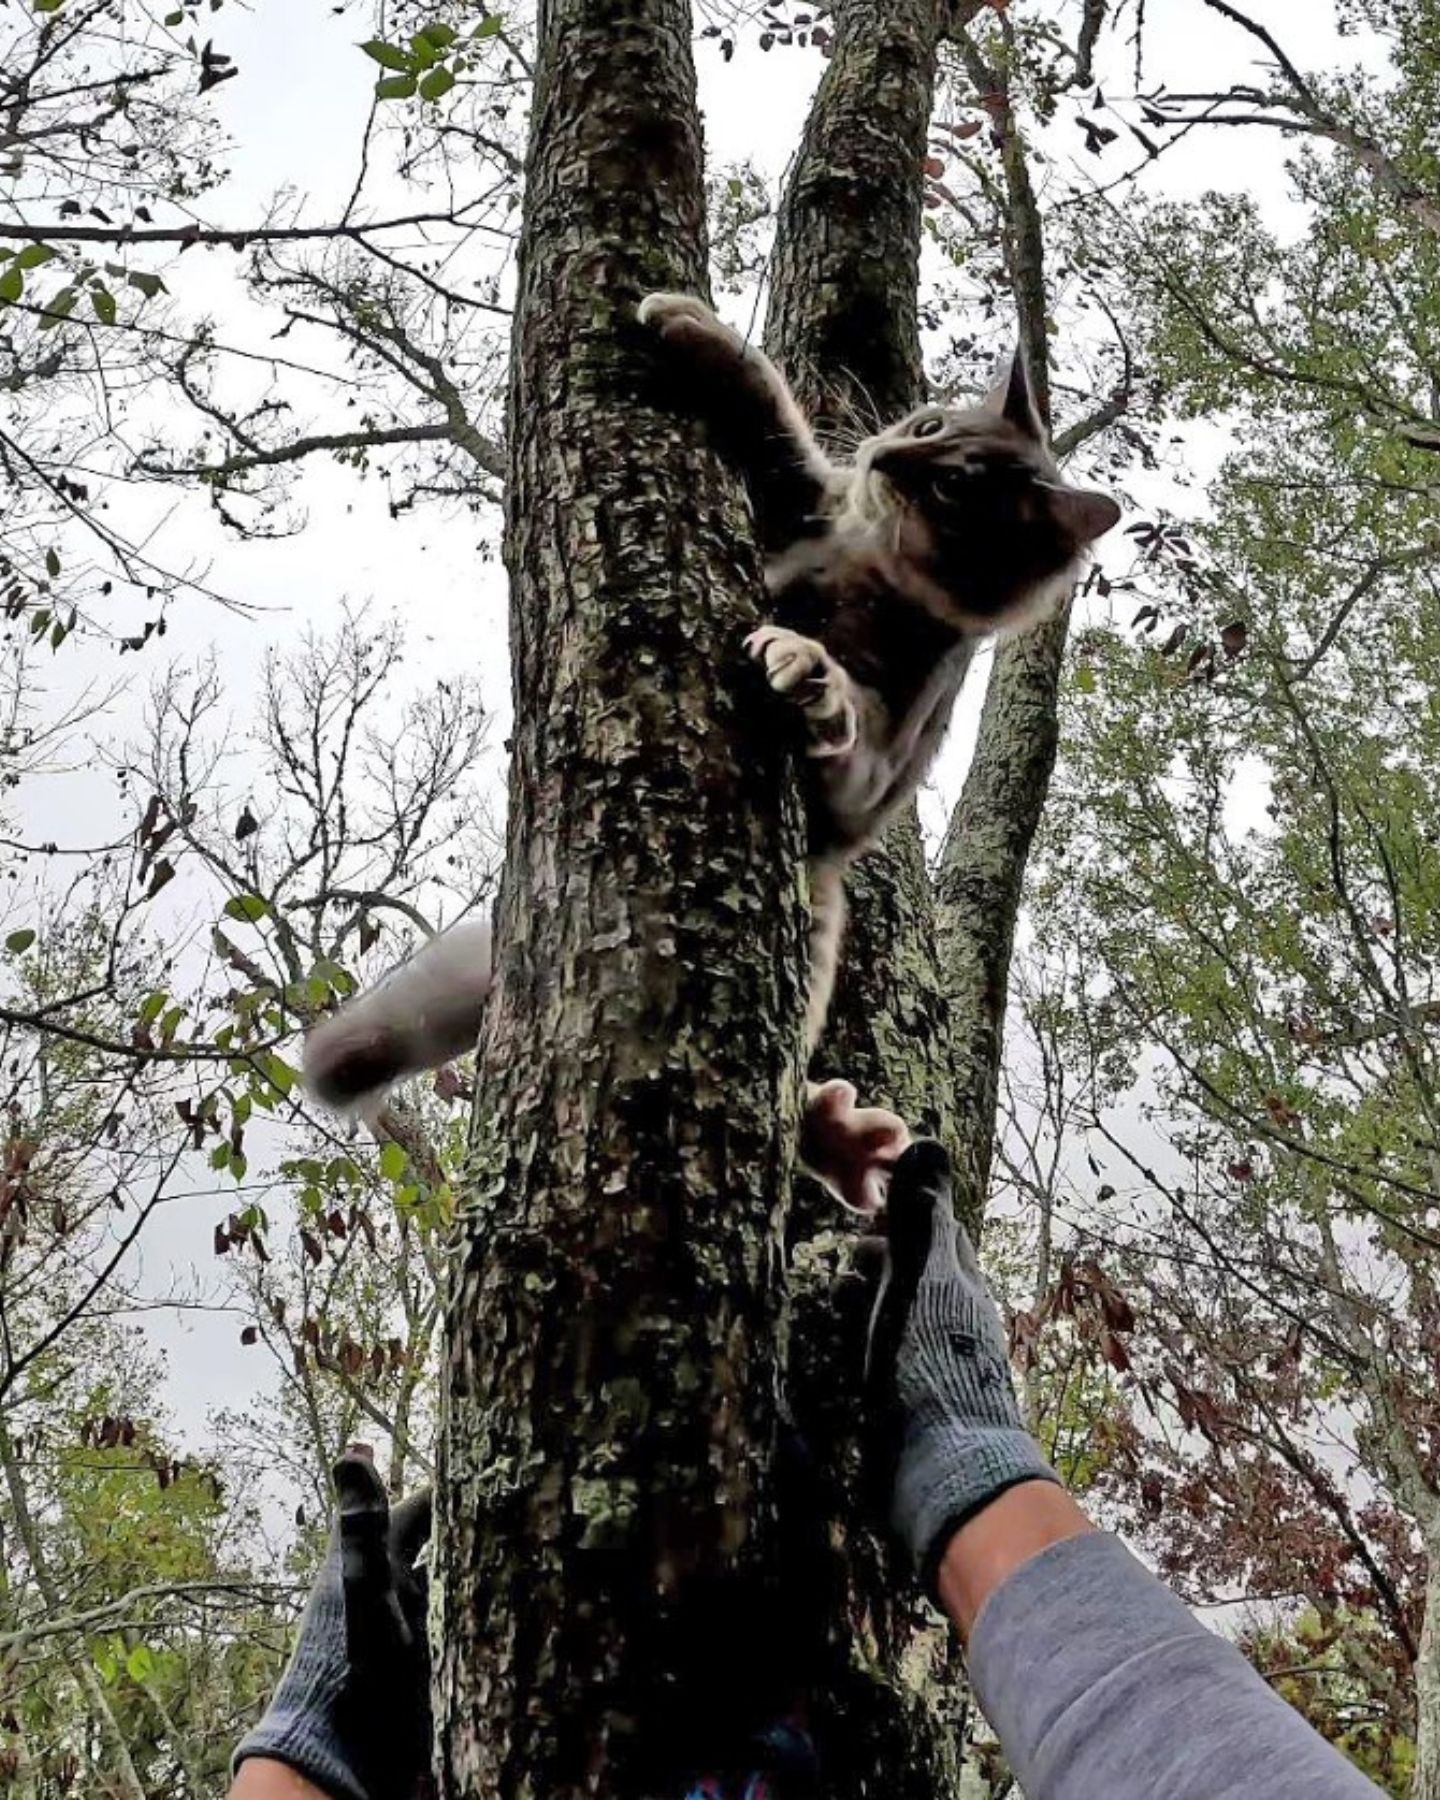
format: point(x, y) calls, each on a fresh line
point(610, 1369)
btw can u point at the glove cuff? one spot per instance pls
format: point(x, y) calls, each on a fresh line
point(949, 1475)
point(303, 1741)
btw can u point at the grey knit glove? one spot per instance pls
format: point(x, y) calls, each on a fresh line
point(352, 1711)
point(938, 1371)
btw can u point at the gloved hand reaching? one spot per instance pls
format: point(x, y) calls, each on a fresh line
point(352, 1712)
point(937, 1369)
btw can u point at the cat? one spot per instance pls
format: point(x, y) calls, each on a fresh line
point(885, 574)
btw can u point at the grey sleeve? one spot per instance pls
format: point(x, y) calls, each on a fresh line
point(1100, 1682)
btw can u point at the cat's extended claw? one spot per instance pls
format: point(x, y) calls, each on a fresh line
point(805, 673)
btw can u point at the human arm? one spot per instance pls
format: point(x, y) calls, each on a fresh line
point(350, 1719)
point(262, 1779)
point(1097, 1679)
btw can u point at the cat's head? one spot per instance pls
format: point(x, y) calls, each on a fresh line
point(972, 499)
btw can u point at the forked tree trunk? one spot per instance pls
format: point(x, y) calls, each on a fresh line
point(611, 1362)
point(987, 844)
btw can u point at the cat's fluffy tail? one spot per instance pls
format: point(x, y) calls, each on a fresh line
point(423, 1015)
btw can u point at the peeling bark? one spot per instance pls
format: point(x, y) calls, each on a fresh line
point(613, 1336)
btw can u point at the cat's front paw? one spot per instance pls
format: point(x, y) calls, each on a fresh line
point(688, 324)
point(806, 674)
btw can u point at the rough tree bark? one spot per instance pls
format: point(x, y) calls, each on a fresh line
point(843, 323)
point(1425, 1783)
point(613, 1338)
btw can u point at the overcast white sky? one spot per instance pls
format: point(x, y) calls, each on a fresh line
point(296, 114)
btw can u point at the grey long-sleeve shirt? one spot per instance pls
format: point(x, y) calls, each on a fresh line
point(1101, 1685)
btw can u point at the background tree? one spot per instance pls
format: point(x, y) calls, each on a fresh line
point(1238, 895)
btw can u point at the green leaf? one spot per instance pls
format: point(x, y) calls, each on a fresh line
point(389, 56)
point(12, 285)
point(441, 35)
point(394, 1161)
point(19, 941)
point(52, 563)
point(220, 1157)
point(396, 87)
point(423, 54)
point(436, 83)
point(48, 6)
point(60, 308)
point(279, 1073)
point(35, 256)
point(250, 909)
point(154, 1005)
point(104, 303)
point(149, 285)
point(1085, 678)
point(140, 1663)
point(488, 28)
point(175, 18)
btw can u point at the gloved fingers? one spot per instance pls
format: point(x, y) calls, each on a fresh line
point(375, 1627)
point(921, 1213)
point(920, 1241)
point(867, 1259)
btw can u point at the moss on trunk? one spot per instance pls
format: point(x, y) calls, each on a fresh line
point(612, 1341)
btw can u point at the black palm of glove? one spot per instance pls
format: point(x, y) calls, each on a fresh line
point(352, 1712)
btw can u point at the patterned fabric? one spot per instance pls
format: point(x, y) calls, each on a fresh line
point(785, 1768)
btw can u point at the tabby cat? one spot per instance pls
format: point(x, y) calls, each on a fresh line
point(884, 574)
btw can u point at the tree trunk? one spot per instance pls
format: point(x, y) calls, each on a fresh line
point(1425, 1782)
point(843, 324)
point(987, 844)
point(612, 1341)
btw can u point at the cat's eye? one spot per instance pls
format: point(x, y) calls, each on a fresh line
point(953, 484)
point(928, 425)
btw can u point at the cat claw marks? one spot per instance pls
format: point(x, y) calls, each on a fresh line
point(807, 675)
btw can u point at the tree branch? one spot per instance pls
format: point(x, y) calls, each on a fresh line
point(380, 437)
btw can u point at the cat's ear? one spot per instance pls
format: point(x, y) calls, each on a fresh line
point(1014, 398)
point(1082, 512)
